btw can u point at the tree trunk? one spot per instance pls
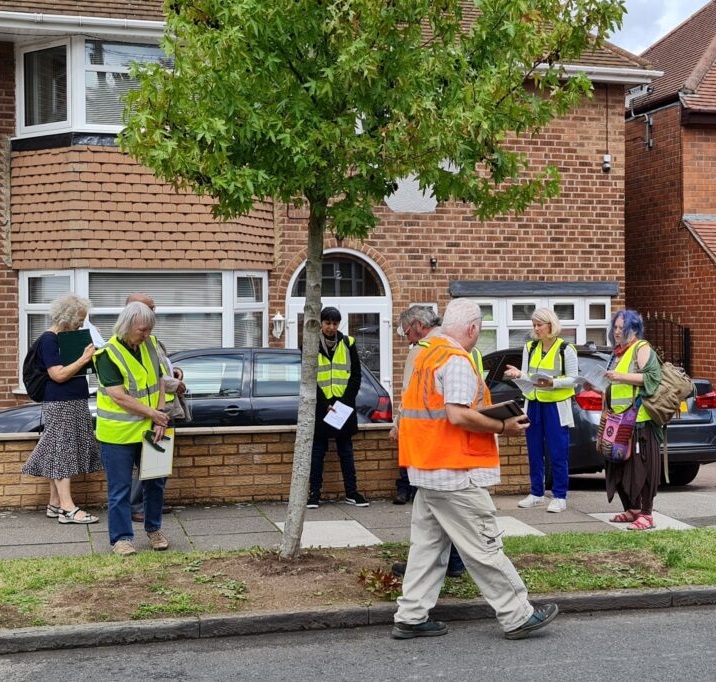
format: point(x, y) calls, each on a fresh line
point(298, 493)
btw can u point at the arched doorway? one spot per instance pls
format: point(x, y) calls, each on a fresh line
point(355, 285)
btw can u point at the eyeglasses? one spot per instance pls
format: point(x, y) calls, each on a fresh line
point(402, 332)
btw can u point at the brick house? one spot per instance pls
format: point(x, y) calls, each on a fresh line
point(74, 210)
point(670, 202)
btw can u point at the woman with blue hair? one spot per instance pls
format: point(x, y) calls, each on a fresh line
point(633, 370)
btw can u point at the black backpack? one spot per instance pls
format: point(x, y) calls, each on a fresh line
point(33, 375)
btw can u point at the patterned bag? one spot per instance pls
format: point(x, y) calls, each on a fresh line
point(616, 433)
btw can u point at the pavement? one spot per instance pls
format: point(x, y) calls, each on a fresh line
point(25, 534)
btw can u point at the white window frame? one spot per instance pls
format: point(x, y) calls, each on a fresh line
point(76, 93)
point(503, 322)
point(79, 284)
point(44, 128)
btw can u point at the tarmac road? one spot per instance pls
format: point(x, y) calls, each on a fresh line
point(658, 645)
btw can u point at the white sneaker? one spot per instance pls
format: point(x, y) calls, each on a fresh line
point(531, 501)
point(557, 505)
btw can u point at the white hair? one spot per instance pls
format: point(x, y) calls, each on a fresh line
point(460, 312)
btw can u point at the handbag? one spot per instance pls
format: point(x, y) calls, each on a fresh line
point(615, 435)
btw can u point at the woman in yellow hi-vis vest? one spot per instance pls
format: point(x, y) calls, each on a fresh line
point(339, 375)
point(549, 407)
point(129, 405)
point(634, 369)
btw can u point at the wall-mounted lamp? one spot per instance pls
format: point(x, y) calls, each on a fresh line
point(279, 324)
point(433, 263)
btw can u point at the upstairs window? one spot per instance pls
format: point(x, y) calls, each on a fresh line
point(78, 84)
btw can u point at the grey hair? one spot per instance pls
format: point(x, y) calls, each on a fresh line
point(547, 316)
point(460, 312)
point(420, 313)
point(132, 313)
point(69, 310)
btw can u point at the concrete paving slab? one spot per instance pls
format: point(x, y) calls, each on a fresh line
point(228, 526)
point(55, 534)
point(661, 521)
point(238, 541)
point(232, 511)
point(392, 534)
point(509, 525)
point(672, 503)
point(336, 534)
point(44, 550)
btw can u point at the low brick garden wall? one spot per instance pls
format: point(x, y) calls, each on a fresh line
point(241, 464)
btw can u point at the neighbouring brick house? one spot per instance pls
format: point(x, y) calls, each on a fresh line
point(77, 214)
point(671, 186)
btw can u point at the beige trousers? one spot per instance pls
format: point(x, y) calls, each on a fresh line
point(467, 518)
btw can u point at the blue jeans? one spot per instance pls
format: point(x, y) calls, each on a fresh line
point(344, 446)
point(546, 437)
point(118, 462)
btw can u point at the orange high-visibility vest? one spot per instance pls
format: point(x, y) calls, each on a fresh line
point(426, 439)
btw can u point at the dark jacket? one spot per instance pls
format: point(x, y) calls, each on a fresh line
point(348, 398)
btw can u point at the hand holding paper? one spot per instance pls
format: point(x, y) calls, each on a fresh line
point(338, 414)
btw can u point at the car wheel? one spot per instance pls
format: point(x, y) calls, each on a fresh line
point(683, 474)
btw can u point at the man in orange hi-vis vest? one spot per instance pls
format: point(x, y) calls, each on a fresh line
point(450, 451)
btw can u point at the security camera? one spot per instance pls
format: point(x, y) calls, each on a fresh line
point(606, 163)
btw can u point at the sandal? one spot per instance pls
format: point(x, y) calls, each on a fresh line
point(71, 517)
point(625, 517)
point(53, 512)
point(642, 522)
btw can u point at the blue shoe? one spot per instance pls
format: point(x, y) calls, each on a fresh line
point(541, 617)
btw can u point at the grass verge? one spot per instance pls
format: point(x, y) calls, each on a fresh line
point(98, 588)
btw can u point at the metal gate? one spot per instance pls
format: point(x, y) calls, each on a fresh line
point(671, 340)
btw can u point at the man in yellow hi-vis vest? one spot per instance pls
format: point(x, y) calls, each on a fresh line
point(339, 376)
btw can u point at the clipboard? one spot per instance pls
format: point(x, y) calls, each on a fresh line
point(510, 408)
point(72, 345)
point(157, 458)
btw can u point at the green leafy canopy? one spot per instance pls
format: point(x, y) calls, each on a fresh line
point(264, 99)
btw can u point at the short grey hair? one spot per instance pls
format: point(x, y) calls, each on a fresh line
point(69, 310)
point(461, 312)
point(420, 313)
point(132, 313)
point(547, 316)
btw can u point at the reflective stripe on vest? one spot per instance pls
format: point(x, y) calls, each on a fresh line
point(622, 396)
point(334, 373)
point(476, 359)
point(140, 380)
point(427, 439)
point(548, 365)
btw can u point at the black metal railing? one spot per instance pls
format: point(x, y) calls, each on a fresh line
point(670, 339)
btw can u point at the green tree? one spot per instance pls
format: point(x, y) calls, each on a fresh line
point(330, 102)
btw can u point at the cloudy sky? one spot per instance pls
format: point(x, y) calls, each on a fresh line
point(648, 20)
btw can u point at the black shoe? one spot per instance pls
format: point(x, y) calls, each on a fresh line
point(401, 498)
point(430, 628)
point(398, 569)
point(314, 501)
point(455, 573)
point(357, 499)
point(541, 617)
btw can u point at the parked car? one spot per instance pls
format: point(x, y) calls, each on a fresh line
point(237, 387)
point(691, 435)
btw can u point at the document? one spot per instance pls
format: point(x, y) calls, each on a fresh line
point(597, 377)
point(338, 416)
point(157, 458)
point(72, 345)
point(505, 410)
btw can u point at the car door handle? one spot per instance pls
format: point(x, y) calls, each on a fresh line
point(233, 410)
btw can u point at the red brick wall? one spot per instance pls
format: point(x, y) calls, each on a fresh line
point(667, 270)
point(240, 465)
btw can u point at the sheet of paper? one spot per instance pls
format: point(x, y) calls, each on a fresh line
point(597, 377)
point(338, 416)
point(525, 385)
point(155, 462)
